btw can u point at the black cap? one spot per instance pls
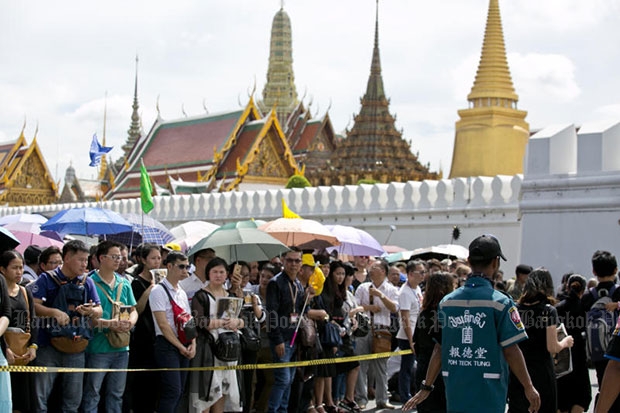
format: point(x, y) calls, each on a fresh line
point(31, 254)
point(485, 247)
point(523, 269)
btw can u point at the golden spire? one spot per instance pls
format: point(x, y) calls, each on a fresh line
point(491, 128)
point(493, 79)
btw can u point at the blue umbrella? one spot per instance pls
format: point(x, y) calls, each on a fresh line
point(87, 221)
point(145, 229)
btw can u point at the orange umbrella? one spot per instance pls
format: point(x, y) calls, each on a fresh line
point(300, 233)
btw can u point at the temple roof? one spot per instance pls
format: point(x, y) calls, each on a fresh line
point(204, 153)
point(493, 78)
point(374, 148)
point(25, 178)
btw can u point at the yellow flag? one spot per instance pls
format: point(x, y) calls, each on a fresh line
point(286, 212)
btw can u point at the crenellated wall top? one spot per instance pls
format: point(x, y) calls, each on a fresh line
point(458, 194)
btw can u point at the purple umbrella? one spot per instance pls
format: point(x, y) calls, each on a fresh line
point(354, 241)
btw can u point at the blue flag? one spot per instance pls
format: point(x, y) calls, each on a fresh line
point(97, 151)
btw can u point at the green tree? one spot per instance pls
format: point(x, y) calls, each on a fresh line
point(297, 181)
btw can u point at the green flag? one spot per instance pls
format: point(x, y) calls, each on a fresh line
point(146, 190)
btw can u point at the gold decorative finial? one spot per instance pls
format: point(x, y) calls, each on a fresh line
point(24, 126)
point(157, 107)
point(36, 130)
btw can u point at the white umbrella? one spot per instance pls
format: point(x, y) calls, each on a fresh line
point(189, 233)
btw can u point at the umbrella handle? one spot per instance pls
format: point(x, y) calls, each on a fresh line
point(299, 321)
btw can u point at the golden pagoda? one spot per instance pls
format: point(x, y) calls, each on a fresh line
point(374, 149)
point(492, 134)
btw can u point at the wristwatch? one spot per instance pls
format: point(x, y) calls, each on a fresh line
point(426, 387)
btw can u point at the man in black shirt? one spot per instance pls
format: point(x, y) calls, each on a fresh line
point(604, 267)
point(285, 300)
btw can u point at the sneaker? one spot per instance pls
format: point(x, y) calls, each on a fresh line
point(386, 405)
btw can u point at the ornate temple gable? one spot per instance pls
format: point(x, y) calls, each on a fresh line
point(26, 178)
point(250, 113)
point(261, 143)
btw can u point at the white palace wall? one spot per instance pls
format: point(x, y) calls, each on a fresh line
point(565, 206)
point(421, 213)
point(570, 197)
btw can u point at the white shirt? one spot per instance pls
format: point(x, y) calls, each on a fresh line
point(408, 299)
point(191, 285)
point(159, 301)
point(363, 298)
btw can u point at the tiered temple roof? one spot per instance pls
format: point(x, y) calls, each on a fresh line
point(211, 152)
point(374, 149)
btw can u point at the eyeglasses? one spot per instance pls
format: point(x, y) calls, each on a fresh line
point(54, 263)
point(293, 260)
point(114, 257)
point(182, 266)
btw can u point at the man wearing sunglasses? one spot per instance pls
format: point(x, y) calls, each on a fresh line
point(102, 351)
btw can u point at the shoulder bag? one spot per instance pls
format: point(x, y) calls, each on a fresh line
point(115, 338)
point(381, 338)
point(17, 339)
point(184, 322)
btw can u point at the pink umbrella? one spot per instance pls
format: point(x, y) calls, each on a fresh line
point(27, 238)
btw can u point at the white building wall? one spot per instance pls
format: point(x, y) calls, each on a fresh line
point(571, 210)
point(421, 213)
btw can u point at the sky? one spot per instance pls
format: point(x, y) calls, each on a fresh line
point(58, 60)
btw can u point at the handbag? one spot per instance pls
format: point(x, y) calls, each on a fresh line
point(562, 361)
point(331, 335)
point(227, 347)
point(307, 332)
point(250, 341)
point(184, 322)
point(115, 338)
point(17, 339)
point(381, 338)
point(363, 325)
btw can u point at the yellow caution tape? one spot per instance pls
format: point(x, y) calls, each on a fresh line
point(264, 366)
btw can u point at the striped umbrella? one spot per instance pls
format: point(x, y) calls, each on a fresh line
point(149, 230)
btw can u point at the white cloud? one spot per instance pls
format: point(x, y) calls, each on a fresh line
point(57, 62)
point(549, 77)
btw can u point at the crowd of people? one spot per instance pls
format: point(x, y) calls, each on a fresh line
point(479, 342)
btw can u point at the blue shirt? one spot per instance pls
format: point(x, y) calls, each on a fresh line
point(46, 289)
point(478, 322)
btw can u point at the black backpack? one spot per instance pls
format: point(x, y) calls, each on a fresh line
point(600, 324)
